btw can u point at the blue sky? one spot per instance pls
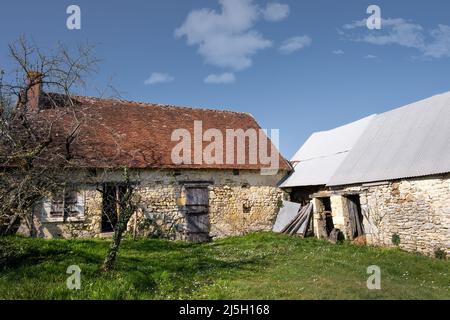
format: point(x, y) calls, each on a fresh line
point(298, 66)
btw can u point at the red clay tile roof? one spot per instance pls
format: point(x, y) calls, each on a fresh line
point(116, 133)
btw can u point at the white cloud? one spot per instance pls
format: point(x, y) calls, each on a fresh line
point(224, 78)
point(370, 56)
point(355, 24)
point(398, 31)
point(275, 12)
point(338, 52)
point(295, 43)
point(440, 46)
point(157, 77)
point(226, 38)
point(233, 51)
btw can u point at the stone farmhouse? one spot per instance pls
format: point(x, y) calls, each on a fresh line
point(187, 200)
point(384, 179)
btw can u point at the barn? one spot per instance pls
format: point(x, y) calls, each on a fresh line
point(383, 180)
point(188, 187)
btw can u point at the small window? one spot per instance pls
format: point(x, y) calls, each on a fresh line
point(67, 207)
point(246, 208)
point(236, 172)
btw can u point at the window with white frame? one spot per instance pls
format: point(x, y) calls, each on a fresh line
point(69, 206)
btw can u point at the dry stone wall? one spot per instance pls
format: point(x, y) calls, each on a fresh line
point(417, 210)
point(239, 203)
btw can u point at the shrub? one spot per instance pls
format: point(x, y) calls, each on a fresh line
point(440, 254)
point(396, 239)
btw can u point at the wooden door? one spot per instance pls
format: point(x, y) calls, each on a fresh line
point(197, 213)
point(355, 216)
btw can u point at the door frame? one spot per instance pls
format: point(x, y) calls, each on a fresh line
point(196, 236)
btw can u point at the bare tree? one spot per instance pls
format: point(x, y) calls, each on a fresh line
point(36, 156)
point(127, 203)
point(32, 165)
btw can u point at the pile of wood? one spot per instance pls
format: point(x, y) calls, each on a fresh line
point(300, 224)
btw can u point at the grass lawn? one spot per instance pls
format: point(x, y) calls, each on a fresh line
point(257, 266)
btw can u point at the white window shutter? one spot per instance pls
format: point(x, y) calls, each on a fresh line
point(81, 202)
point(45, 209)
point(78, 207)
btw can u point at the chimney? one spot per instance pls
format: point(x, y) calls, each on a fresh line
point(34, 83)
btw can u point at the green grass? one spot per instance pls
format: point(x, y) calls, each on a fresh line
point(257, 266)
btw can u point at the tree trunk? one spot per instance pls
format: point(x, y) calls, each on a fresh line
point(121, 227)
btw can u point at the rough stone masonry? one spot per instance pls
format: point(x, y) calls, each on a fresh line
point(417, 210)
point(239, 202)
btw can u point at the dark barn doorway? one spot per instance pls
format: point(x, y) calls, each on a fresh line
point(355, 216)
point(197, 213)
point(112, 197)
point(328, 215)
point(325, 222)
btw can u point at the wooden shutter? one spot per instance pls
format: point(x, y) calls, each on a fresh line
point(74, 204)
point(57, 208)
point(69, 207)
point(51, 210)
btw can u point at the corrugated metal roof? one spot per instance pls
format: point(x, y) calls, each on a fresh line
point(410, 141)
point(338, 140)
point(314, 172)
point(323, 153)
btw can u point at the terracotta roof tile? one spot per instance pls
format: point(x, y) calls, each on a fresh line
point(117, 133)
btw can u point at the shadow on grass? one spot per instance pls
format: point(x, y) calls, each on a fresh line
point(154, 245)
point(174, 257)
point(183, 274)
point(185, 260)
point(18, 252)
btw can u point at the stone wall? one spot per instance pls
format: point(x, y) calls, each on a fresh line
point(237, 210)
point(240, 202)
point(417, 210)
point(88, 226)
